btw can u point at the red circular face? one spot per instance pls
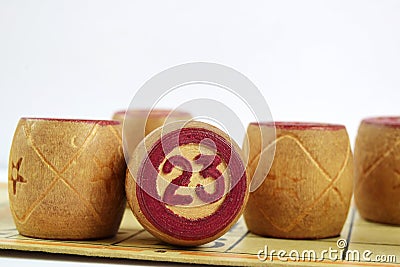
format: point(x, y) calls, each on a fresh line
point(173, 189)
point(385, 121)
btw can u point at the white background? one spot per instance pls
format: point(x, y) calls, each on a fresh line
point(331, 61)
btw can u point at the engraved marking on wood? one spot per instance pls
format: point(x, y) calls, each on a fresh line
point(309, 208)
point(256, 158)
point(16, 177)
point(115, 133)
point(339, 194)
point(59, 176)
point(35, 204)
point(304, 149)
point(375, 165)
point(87, 140)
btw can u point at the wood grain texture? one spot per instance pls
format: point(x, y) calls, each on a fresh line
point(377, 171)
point(306, 194)
point(200, 223)
point(66, 178)
point(237, 247)
point(140, 122)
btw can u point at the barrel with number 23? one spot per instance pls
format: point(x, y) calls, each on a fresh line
point(187, 183)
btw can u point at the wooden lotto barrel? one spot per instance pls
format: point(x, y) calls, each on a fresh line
point(187, 186)
point(138, 123)
point(377, 169)
point(306, 194)
point(66, 178)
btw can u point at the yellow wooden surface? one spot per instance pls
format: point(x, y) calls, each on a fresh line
point(238, 247)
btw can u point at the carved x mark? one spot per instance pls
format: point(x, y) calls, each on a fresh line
point(59, 176)
point(330, 187)
point(375, 165)
point(17, 178)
